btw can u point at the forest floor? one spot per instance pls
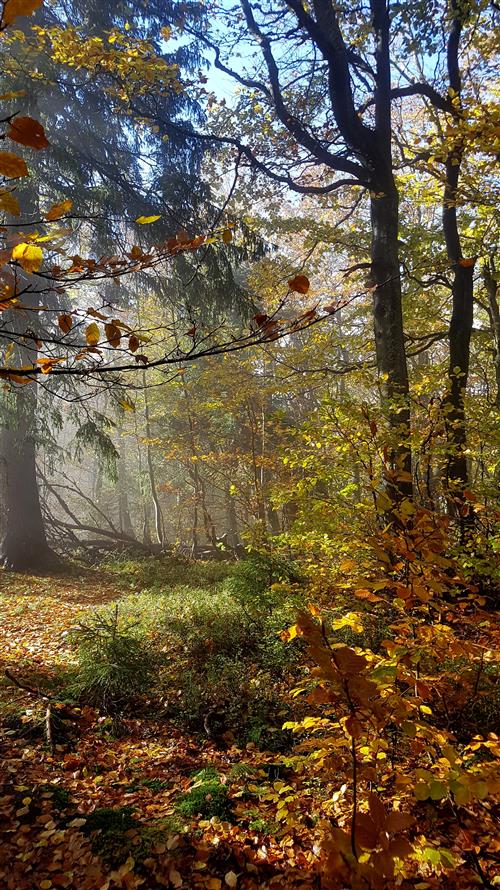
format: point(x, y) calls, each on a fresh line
point(141, 799)
point(140, 770)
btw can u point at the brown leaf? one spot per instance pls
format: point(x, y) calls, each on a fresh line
point(113, 334)
point(300, 284)
point(367, 832)
point(27, 131)
point(348, 661)
point(377, 810)
point(397, 821)
point(65, 322)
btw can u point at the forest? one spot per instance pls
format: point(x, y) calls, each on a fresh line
point(249, 444)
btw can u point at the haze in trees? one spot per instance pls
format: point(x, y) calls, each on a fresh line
point(250, 383)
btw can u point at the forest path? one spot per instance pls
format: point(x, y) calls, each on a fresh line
point(37, 613)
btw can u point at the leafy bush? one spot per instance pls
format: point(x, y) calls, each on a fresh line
point(222, 656)
point(114, 662)
point(262, 582)
point(159, 573)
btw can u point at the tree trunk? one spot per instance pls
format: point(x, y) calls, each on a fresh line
point(456, 477)
point(231, 519)
point(24, 545)
point(158, 516)
point(389, 339)
point(494, 313)
point(385, 270)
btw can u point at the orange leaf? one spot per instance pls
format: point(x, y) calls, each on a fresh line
point(12, 165)
point(58, 210)
point(15, 8)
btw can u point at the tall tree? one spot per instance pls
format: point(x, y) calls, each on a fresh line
point(104, 175)
point(330, 107)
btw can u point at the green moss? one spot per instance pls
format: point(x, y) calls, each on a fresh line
point(206, 799)
point(115, 834)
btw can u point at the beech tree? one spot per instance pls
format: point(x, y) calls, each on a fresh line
point(343, 132)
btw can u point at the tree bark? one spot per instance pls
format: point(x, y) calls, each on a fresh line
point(494, 313)
point(24, 545)
point(386, 277)
point(456, 476)
point(389, 340)
point(158, 516)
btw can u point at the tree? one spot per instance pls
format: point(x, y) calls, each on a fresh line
point(336, 138)
point(103, 172)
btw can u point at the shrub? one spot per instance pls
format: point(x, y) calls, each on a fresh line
point(262, 582)
point(114, 662)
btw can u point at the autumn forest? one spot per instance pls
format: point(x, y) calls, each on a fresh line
point(249, 444)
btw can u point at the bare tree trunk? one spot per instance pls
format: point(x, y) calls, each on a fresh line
point(494, 313)
point(387, 306)
point(24, 546)
point(232, 519)
point(456, 477)
point(158, 517)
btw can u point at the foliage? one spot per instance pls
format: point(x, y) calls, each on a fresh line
point(260, 583)
point(114, 662)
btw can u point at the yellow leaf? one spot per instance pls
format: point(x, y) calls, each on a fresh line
point(92, 334)
point(291, 632)
point(231, 879)
point(126, 405)
point(15, 8)
point(144, 220)
point(9, 202)
point(29, 256)
point(13, 94)
point(58, 210)
point(27, 131)
point(12, 165)
point(227, 236)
